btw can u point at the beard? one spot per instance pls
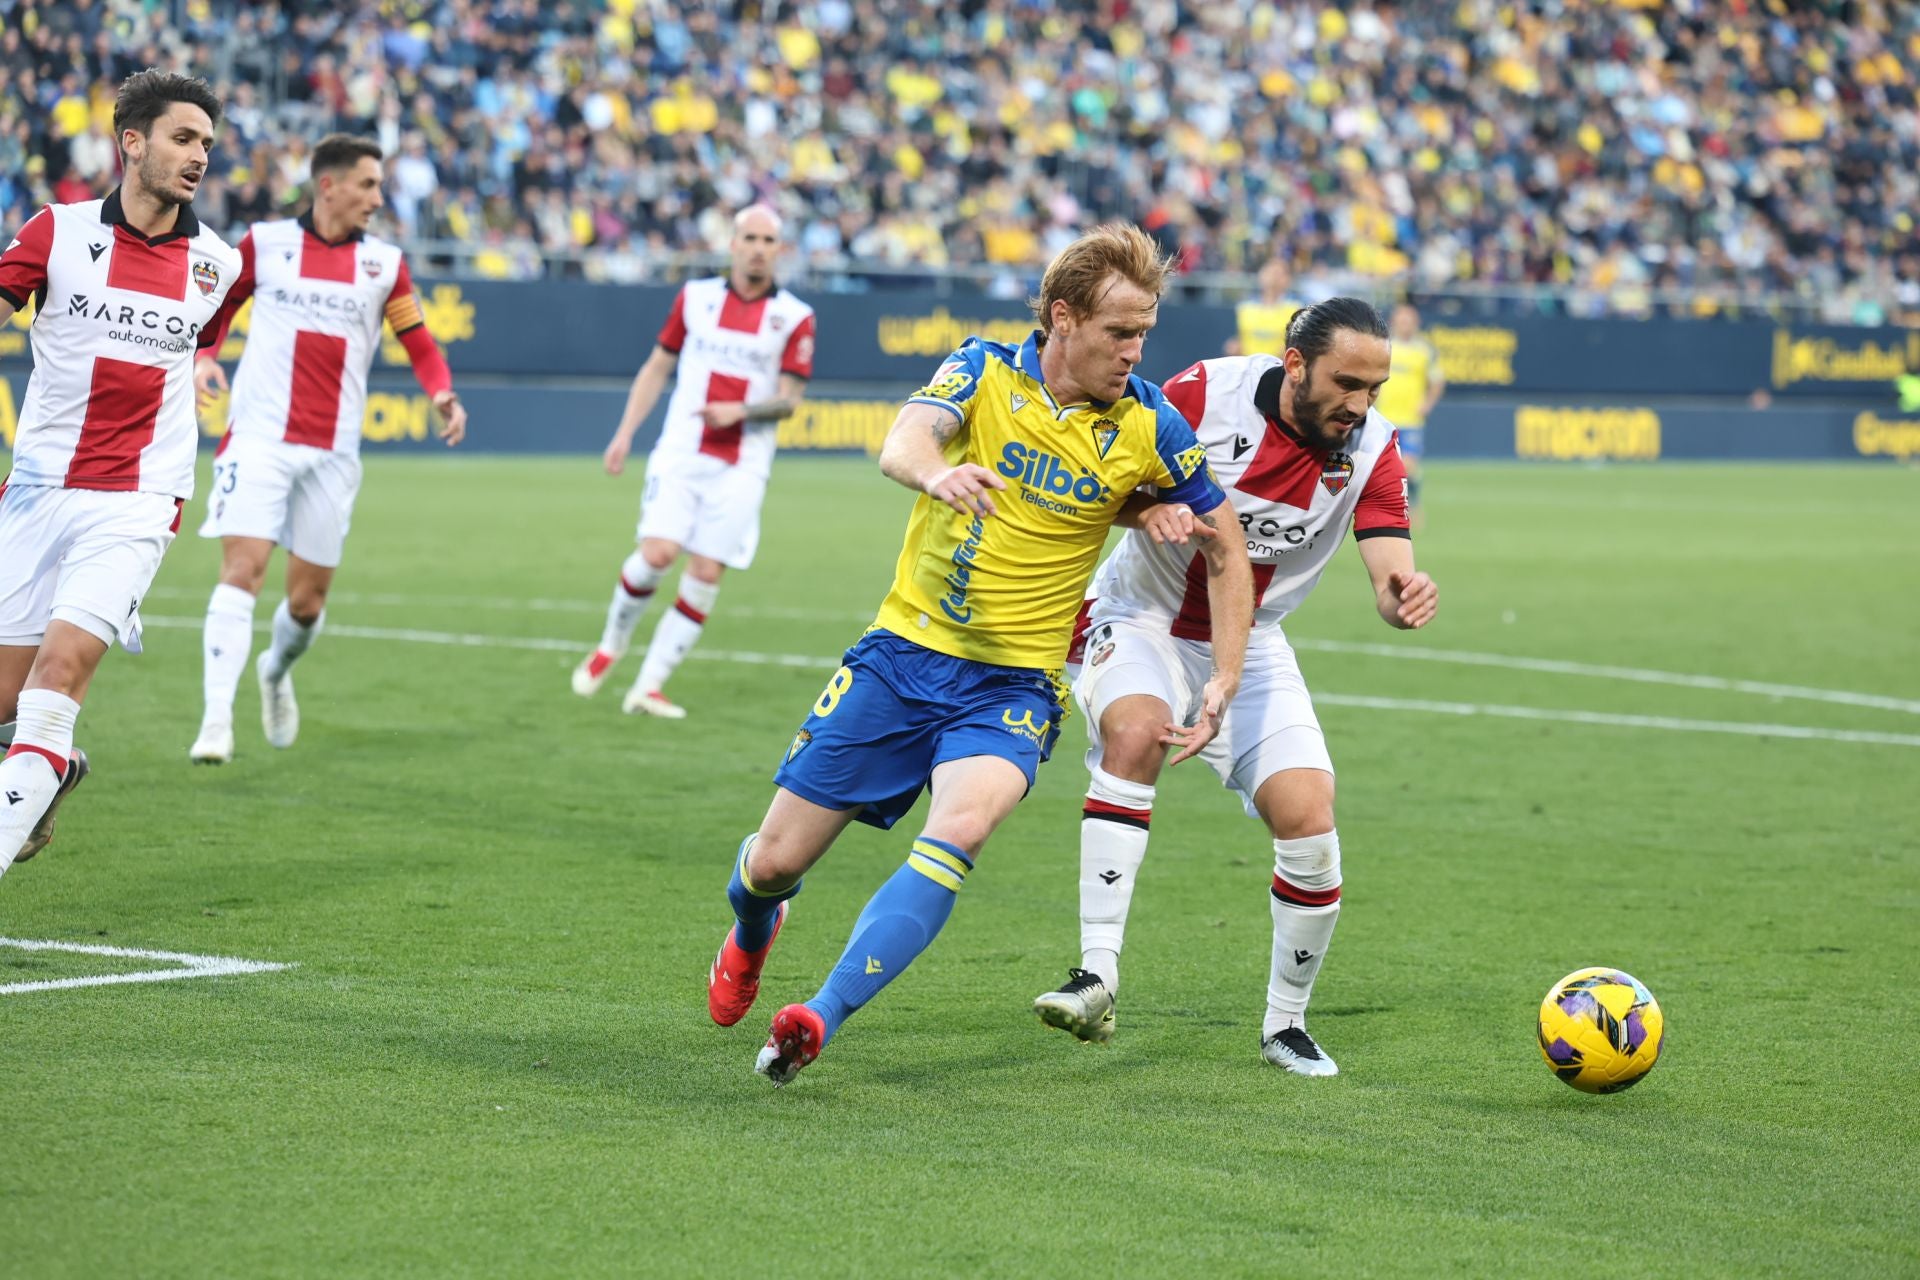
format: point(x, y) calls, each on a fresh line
point(159, 181)
point(1311, 420)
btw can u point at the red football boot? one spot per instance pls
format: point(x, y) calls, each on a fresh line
point(734, 981)
point(796, 1039)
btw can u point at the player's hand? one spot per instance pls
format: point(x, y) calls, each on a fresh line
point(209, 380)
point(1174, 522)
point(1193, 738)
point(615, 458)
point(1411, 601)
point(726, 413)
point(965, 489)
point(453, 417)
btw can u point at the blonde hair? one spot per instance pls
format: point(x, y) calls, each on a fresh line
point(1079, 275)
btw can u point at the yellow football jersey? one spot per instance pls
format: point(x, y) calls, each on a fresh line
point(1005, 588)
point(1405, 394)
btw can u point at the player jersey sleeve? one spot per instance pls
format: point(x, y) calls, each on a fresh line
point(1183, 474)
point(673, 334)
point(410, 327)
point(1382, 509)
point(403, 304)
point(215, 333)
point(797, 359)
point(23, 267)
point(955, 381)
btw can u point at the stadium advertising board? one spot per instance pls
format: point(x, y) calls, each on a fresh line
point(573, 329)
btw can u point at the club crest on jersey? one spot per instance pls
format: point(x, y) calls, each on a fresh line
point(1105, 432)
point(800, 741)
point(372, 267)
point(207, 277)
point(1337, 471)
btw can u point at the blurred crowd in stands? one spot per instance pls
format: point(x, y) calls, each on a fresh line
point(1611, 149)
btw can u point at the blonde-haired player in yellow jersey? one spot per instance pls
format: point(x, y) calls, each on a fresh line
point(1410, 394)
point(1023, 458)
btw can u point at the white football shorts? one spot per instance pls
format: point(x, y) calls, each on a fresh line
point(81, 556)
point(1270, 725)
point(705, 505)
point(293, 494)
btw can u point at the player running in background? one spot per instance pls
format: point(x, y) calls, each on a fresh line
point(742, 349)
point(288, 470)
point(124, 289)
point(1408, 398)
point(1303, 458)
point(1023, 457)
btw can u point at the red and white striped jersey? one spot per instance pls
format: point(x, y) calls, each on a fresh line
point(317, 311)
point(1295, 502)
point(109, 404)
point(730, 349)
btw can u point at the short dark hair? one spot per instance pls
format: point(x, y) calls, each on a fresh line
point(1311, 330)
point(343, 151)
point(146, 95)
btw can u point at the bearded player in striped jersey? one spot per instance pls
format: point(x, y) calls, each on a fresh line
point(124, 289)
point(1303, 457)
point(288, 469)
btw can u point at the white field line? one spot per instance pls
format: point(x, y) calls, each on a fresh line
point(813, 662)
point(1401, 652)
point(186, 966)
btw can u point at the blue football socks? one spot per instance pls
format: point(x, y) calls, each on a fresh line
point(899, 921)
point(754, 911)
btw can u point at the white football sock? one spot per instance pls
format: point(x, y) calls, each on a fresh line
point(1306, 904)
point(1113, 844)
point(225, 645)
point(631, 595)
point(34, 765)
point(677, 631)
point(290, 640)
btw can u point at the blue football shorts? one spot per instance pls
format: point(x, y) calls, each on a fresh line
point(895, 710)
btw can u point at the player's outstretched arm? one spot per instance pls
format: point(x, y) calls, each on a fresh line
point(1406, 598)
point(1230, 602)
point(914, 455)
point(641, 397)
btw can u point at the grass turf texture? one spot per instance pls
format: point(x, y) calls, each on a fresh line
point(494, 1056)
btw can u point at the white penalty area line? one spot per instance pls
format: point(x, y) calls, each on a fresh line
point(185, 966)
point(1398, 652)
point(812, 662)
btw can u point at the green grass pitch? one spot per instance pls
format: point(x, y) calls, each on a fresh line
point(492, 1055)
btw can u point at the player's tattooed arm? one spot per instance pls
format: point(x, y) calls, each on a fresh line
point(792, 390)
point(915, 455)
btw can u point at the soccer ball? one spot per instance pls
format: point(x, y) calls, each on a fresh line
point(1600, 1030)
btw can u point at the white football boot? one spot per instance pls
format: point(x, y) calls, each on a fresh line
point(593, 671)
point(214, 745)
point(1083, 1006)
point(653, 703)
point(279, 713)
point(1294, 1049)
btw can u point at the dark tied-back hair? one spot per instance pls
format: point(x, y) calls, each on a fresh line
point(342, 151)
point(146, 95)
point(1311, 330)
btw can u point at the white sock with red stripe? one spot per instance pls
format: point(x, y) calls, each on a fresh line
point(631, 595)
point(677, 631)
point(225, 645)
point(34, 765)
point(1113, 844)
point(1306, 904)
point(290, 640)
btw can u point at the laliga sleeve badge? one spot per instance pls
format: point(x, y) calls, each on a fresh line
point(1336, 472)
point(1103, 647)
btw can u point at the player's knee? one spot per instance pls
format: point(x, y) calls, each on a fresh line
point(659, 555)
point(1298, 803)
point(966, 831)
point(776, 862)
point(701, 569)
point(306, 606)
point(1130, 747)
